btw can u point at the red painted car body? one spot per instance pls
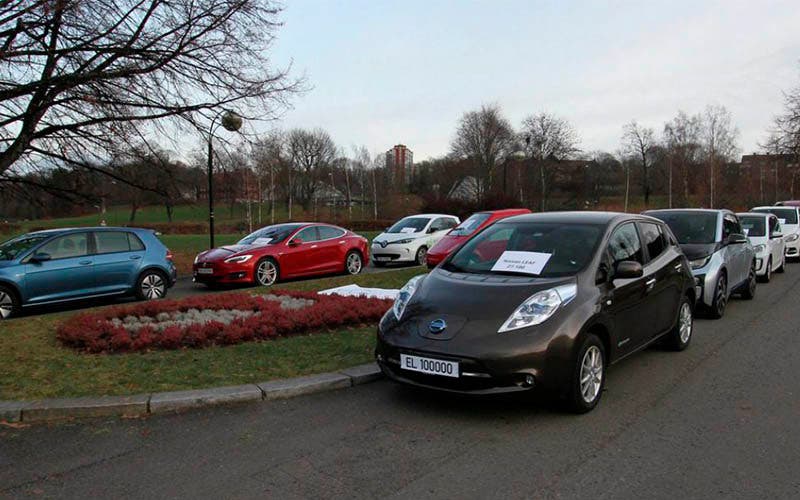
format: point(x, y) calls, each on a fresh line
point(466, 230)
point(298, 249)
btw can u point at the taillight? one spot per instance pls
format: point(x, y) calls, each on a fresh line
point(169, 254)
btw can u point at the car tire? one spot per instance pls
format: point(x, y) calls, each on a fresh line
point(768, 275)
point(681, 336)
point(266, 272)
point(9, 303)
point(588, 376)
point(720, 301)
point(422, 254)
point(151, 285)
point(782, 269)
point(353, 262)
point(749, 289)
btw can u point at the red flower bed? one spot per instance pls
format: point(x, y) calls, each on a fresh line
point(97, 332)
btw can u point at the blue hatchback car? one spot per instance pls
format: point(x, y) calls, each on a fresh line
point(58, 265)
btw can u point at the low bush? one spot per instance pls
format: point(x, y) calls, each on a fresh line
point(106, 332)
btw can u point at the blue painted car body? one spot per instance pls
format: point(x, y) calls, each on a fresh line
point(83, 263)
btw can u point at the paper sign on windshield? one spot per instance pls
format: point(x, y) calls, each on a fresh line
point(782, 221)
point(262, 241)
point(746, 231)
point(522, 262)
point(408, 230)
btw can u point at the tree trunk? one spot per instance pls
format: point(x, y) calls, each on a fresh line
point(543, 203)
point(134, 208)
point(627, 187)
point(374, 196)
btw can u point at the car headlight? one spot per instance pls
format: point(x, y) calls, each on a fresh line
point(402, 242)
point(539, 307)
point(238, 259)
point(196, 258)
point(698, 263)
point(760, 248)
point(404, 297)
point(792, 237)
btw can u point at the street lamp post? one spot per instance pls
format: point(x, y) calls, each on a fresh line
point(232, 122)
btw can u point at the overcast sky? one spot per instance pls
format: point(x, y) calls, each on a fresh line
point(387, 72)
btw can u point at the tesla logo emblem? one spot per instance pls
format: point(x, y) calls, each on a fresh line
point(437, 326)
point(383, 244)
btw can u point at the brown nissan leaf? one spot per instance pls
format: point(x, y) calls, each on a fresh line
point(543, 301)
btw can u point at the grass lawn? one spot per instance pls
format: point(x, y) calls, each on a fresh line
point(34, 365)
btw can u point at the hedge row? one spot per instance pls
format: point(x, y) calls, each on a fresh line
point(96, 333)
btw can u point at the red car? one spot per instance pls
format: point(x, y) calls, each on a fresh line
point(465, 230)
point(283, 251)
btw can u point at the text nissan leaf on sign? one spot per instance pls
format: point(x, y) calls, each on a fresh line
point(541, 301)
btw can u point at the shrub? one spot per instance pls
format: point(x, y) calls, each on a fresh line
point(98, 332)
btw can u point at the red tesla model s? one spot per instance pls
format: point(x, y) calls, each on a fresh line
point(465, 231)
point(283, 251)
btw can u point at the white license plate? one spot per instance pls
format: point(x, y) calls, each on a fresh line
point(382, 258)
point(205, 270)
point(430, 366)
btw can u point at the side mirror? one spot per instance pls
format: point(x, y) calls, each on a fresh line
point(628, 270)
point(295, 242)
point(737, 239)
point(41, 257)
point(432, 230)
point(776, 235)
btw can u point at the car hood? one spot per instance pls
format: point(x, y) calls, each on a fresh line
point(447, 244)
point(224, 252)
point(7, 263)
point(694, 251)
point(392, 237)
point(460, 298)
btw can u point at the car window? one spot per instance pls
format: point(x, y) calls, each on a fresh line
point(269, 235)
point(729, 227)
point(654, 239)
point(690, 227)
point(112, 241)
point(442, 223)
point(10, 249)
point(471, 224)
point(787, 214)
point(308, 234)
point(625, 245)
point(327, 232)
point(409, 225)
point(753, 225)
point(64, 247)
point(135, 243)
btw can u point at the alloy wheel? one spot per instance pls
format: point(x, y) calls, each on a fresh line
point(6, 305)
point(591, 375)
point(422, 256)
point(354, 263)
point(266, 273)
point(153, 286)
point(722, 294)
point(685, 323)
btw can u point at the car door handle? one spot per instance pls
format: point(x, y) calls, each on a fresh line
point(135, 257)
point(313, 246)
point(650, 284)
point(678, 266)
point(85, 262)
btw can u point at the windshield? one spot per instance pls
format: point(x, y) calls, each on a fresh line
point(470, 225)
point(16, 246)
point(566, 248)
point(269, 235)
point(409, 225)
point(787, 214)
point(753, 225)
point(691, 227)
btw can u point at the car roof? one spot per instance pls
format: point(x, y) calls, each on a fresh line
point(430, 216)
point(697, 210)
point(504, 211)
point(577, 217)
point(756, 214)
point(65, 230)
point(765, 207)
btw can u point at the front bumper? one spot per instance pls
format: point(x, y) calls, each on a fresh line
point(393, 253)
point(793, 249)
point(222, 273)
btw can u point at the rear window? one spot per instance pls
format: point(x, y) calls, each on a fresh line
point(785, 215)
point(753, 226)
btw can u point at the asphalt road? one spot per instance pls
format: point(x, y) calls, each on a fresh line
point(721, 419)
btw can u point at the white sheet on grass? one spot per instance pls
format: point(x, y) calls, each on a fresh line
point(357, 291)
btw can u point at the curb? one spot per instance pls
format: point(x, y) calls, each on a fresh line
point(49, 410)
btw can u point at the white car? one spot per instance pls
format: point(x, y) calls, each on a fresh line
point(409, 239)
point(764, 232)
point(790, 227)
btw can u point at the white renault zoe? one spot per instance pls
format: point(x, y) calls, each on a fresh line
point(789, 217)
point(409, 239)
point(764, 232)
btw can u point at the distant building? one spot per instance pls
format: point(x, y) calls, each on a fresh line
point(400, 162)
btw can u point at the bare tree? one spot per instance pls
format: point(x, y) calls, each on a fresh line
point(485, 137)
point(682, 138)
point(309, 152)
point(719, 137)
point(548, 139)
point(79, 78)
point(270, 157)
point(638, 142)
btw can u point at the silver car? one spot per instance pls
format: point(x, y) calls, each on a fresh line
point(722, 258)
